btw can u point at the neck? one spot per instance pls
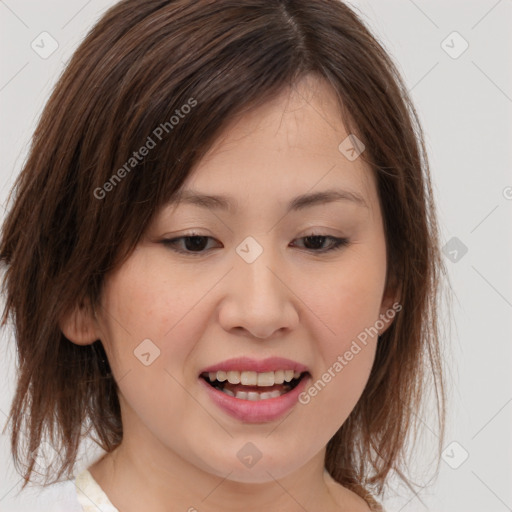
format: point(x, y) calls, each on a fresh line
point(134, 481)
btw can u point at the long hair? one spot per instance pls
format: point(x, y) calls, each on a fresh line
point(169, 74)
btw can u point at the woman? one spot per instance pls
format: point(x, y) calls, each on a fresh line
point(168, 273)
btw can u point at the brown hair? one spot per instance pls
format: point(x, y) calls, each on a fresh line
point(77, 215)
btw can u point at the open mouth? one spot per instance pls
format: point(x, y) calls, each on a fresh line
point(253, 386)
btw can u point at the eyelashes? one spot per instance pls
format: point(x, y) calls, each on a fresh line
point(194, 245)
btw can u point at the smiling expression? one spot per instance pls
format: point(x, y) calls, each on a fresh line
point(286, 258)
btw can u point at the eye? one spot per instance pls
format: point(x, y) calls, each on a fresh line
point(195, 245)
point(315, 241)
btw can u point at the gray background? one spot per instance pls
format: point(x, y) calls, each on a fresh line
point(465, 106)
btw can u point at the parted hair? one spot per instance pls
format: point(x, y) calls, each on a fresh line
point(176, 72)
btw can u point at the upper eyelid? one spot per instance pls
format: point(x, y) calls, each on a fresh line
point(200, 235)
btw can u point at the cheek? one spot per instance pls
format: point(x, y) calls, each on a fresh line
point(347, 300)
point(344, 389)
point(149, 324)
point(346, 296)
point(142, 304)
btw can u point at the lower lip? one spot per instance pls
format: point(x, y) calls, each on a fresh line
point(259, 411)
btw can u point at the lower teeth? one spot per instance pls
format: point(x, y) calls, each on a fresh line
point(253, 395)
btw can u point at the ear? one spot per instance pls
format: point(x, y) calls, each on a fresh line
point(390, 305)
point(79, 325)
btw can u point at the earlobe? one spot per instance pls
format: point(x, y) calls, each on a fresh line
point(79, 325)
point(390, 306)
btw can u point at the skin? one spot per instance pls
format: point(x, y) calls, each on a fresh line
point(179, 449)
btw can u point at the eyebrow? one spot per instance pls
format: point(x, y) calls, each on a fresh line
point(298, 203)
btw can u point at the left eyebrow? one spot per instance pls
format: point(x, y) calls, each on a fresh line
point(218, 202)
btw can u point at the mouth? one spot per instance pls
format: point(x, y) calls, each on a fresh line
point(254, 386)
point(255, 390)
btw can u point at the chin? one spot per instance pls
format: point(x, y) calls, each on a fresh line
point(260, 472)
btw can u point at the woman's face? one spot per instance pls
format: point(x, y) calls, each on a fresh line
point(253, 286)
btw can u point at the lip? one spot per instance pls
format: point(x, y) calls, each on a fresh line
point(271, 364)
point(260, 411)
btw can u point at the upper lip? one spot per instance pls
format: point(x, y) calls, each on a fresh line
point(270, 364)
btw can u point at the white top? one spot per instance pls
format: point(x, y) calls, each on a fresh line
point(83, 494)
point(90, 495)
point(80, 493)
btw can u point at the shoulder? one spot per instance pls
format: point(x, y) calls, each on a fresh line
point(360, 501)
point(63, 498)
point(56, 497)
point(352, 501)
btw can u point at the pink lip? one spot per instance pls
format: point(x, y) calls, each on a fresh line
point(260, 411)
point(270, 364)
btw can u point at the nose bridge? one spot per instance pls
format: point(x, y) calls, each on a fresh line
point(259, 301)
point(256, 267)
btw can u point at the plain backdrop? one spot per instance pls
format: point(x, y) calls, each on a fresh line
point(464, 99)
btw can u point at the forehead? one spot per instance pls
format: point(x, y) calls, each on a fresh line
point(287, 151)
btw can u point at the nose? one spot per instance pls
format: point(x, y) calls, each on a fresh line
point(258, 299)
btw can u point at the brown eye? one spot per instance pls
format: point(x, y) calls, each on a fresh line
point(315, 243)
point(196, 245)
point(192, 244)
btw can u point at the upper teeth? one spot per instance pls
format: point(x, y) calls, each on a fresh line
point(254, 378)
